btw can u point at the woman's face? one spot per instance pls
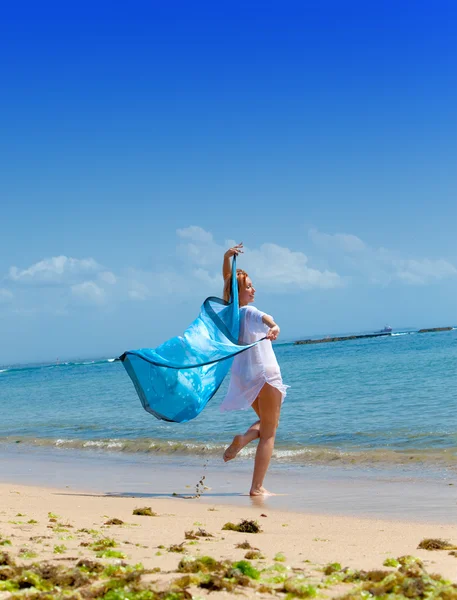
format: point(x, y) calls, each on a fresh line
point(246, 293)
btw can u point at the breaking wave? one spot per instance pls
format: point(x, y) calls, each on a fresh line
point(299, 455)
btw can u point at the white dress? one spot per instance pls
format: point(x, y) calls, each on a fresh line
point(254, 367)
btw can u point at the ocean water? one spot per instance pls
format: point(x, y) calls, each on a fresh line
point(387, 401)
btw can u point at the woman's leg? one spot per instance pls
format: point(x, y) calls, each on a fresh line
point(269, 410)
point(240, 441)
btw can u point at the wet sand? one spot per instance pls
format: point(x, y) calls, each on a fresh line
point(409, 495)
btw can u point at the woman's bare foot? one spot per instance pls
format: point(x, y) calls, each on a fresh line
point(261, 492)
point(236, 445)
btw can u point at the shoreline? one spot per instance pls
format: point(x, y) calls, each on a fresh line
point(63, 527)
point(401, 494)
point(437, 459)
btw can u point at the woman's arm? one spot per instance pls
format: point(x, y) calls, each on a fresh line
point(274, 330)
point(227, 264)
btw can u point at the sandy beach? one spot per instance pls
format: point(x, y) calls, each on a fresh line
point(64, 526)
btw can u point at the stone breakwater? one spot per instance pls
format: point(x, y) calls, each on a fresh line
point(346, 338)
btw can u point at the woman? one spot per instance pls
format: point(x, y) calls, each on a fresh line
point(256, 378)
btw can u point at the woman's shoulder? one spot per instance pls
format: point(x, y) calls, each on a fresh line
point(250, 309)
point(251, 314)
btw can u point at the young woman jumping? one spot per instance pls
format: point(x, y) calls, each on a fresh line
point(255, 378)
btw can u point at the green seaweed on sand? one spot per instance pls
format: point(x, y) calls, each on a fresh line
point(90, 566)
point(244, 526)
point(216, 583)
point(436, 544)
point(176, 547)
point(254, 555)
point(103, 544)
point(409, 581)
point(298, 586)
point(391, 562)
point(407, 560)
point(84, 580)
point(212, 575)
point(90, 579)
point(108, 553)
point(331, 568)
point(194, 535)
point(247, 569)
point(114, 521)
point(245, 546)
point(17, 522)
point(66, 525)
point(93, 532)
point(202, 564)
point(186, 581)
point(5, 542)
point(27, 554)
point(60, 549)
point(279, 557)
point(276, 573)
point(146, 511)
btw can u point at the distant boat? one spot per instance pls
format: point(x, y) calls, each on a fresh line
point(387, 329)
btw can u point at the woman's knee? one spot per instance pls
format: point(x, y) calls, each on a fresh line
point(268, 428)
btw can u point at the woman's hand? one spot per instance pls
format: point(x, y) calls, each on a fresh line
point(273, 333)
point(227, 265)
point(238, 249)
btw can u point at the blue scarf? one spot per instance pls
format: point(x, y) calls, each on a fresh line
point(176, 380)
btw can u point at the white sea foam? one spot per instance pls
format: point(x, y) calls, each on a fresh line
point(61, 442)
point(114, 444)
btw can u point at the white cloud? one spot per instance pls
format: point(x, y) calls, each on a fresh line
point(107, 277)
point(140, 284)
point(61, 283)
point(423, 271)
point(89, 290)
point(139, 292)
point(80, 279)
point(380, 265)
point(204, 276)
point(56, 270)
point(5, 295)
point(343, 241)
point(199, 248)
point(276, 268)
point(196, 234)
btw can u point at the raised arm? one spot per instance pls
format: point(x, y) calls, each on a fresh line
point(227, 264)
point(274, 330)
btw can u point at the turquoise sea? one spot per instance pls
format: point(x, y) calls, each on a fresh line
point(380, 402)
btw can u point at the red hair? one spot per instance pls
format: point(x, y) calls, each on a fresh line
point(241, 280)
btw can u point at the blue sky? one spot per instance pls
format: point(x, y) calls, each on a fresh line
point(138, 140)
